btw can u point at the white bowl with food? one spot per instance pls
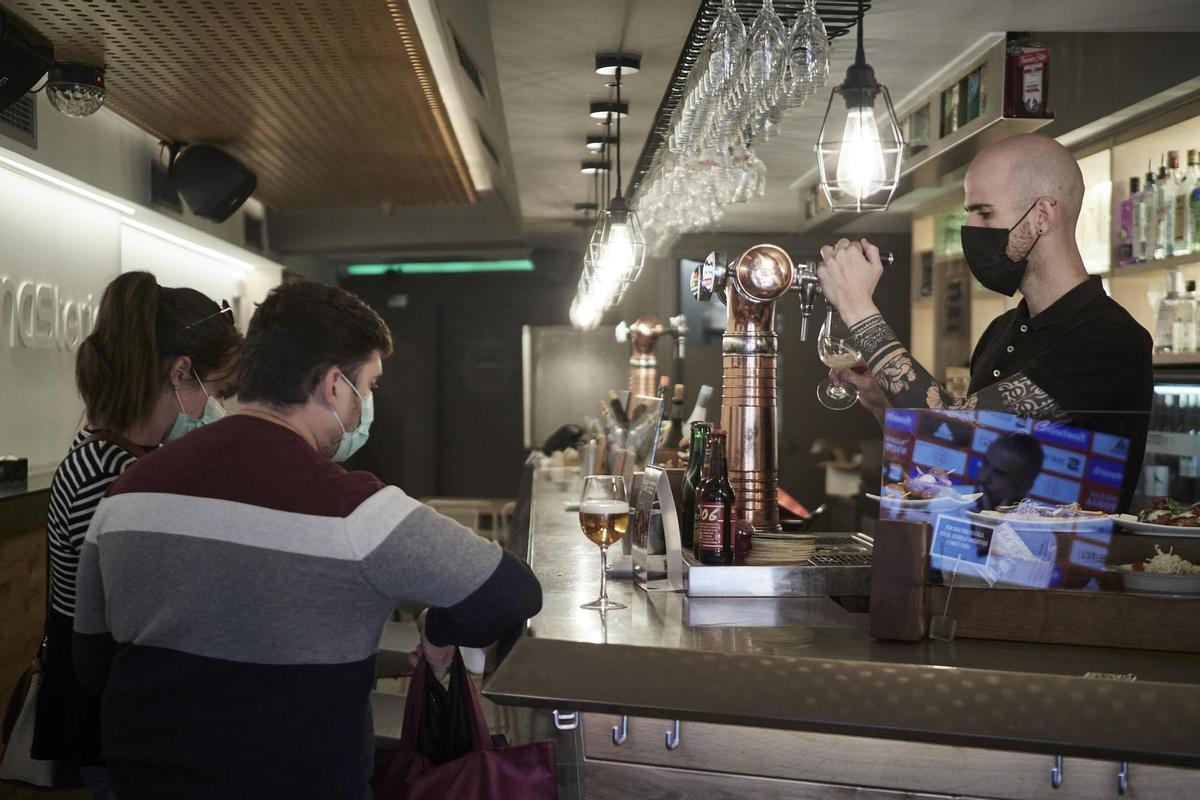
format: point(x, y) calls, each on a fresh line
point(1165, 573)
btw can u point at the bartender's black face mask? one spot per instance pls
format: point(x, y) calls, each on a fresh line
point(986, 251)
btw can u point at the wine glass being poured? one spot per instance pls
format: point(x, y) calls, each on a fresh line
point(836, 349)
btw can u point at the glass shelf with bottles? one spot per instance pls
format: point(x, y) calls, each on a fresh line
point(1157, 212)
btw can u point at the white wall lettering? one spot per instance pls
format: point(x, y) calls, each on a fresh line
point(36, 316)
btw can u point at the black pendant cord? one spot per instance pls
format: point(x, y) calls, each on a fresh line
point(607, 155)
point(860, 56)
point(619, 130)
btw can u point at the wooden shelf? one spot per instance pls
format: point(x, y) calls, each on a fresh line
point(1177, 359)
point(1160, 265)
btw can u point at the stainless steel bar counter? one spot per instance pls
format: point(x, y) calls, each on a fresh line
point(809, 665)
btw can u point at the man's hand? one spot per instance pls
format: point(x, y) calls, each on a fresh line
point(869, 394)
point(438, 658)
point(849, 272)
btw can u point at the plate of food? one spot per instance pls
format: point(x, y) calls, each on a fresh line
point(1032, 513)
point(932, 491)
point(1165, 573)
point(929, 504)
point(1166, 517)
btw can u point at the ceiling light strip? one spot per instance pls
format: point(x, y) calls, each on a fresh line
point(441, 267)
point(417, 59)
point(60, 183)
point(186, 244)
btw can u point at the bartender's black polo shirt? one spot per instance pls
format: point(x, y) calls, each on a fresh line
point(1086, 352)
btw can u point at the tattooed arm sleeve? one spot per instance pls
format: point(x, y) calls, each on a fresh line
point(909, 385)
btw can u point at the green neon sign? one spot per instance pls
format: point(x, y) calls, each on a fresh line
point(441, 267)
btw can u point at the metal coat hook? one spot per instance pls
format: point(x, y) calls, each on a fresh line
point(620, 733)
point(672, 737)
point(1056, 774)
point(566, 722)
point(1123, 778)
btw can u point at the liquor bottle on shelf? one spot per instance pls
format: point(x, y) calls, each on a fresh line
point(1165, 210)
point(715, 517)
point(1194, 213)
point(1171, 332)
point(700, 410)
point(1149, 214)
point(1130, 229)
point(691, 482)
point(675, 432)
point(1192, 312)
point(1185, 184)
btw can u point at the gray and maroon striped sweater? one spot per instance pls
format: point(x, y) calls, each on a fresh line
point(232, 591)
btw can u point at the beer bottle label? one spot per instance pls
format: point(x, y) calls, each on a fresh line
point(710, 526)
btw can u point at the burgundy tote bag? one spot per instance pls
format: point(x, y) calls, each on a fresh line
point(484, 772)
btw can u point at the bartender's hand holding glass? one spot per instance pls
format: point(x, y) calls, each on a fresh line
point(603, 517)
point(849, 272)
point(837, 351)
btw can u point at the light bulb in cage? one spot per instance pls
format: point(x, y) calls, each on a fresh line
point(618, 247)
point(860, 149)
point(75, 89)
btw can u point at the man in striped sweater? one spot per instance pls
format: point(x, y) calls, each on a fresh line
point(234, 584)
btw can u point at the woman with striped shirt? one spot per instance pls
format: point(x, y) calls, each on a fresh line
point(155, 366)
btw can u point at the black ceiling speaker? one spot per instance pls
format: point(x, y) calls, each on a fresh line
point(25, 55)
point(214, 183)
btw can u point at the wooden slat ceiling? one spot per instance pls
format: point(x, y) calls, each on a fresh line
point(331, 102)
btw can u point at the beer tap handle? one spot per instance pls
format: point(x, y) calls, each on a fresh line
point(709, 278)
point(808, 286)
point(678, 326)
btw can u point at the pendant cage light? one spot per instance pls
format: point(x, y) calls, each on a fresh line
point(587, 308)
point(860, 148)
point(617, 250)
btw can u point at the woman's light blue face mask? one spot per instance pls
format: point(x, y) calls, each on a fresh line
point(355, 439)
point(185, 423)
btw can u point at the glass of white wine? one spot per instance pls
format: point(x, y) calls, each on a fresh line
point(836, 349)
point(604, 517)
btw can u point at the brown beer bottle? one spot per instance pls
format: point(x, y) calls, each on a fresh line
point(692, 480)
point(705, 474)
point(715, 518)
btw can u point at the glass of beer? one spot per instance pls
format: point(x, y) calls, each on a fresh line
point(604, 516)
point(836, 349)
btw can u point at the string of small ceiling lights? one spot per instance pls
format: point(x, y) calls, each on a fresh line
point(616, 251)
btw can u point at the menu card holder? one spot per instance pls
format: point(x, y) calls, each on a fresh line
point(654, 485)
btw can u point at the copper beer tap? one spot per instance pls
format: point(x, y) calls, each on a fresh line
point(749, 288)
point(642, 336)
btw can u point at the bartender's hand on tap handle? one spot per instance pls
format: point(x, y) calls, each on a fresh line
point(849, 272)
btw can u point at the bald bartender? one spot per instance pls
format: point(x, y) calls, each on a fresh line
point(1068, 352)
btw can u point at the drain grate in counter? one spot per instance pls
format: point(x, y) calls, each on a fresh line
point(790, 565)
